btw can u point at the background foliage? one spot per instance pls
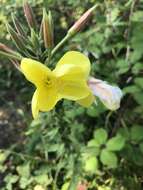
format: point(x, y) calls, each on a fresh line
point(73, 144)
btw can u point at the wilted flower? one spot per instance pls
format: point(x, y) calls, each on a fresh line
point(109, 95)
point(68, 80)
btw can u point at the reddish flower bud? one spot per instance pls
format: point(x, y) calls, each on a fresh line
point(80, 23)
point(29, 15)
point(47, 29)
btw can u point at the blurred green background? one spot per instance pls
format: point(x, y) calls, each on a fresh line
point(72, 144)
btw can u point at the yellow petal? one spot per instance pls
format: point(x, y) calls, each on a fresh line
point(46, 98)
point(35, 71)
point(76, 59)
point(69, 72)
point(87, 101)
point(73, 91)
point(34, 105)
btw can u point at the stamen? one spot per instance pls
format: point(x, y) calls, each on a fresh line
point(48, 82)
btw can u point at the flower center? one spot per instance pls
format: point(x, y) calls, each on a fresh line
point(48, 82)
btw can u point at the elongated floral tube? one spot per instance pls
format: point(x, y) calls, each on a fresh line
point(109, 95)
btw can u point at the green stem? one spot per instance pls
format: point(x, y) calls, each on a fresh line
point(57, 47)
point(49, 57)
point(11, 56)
point(26, 156)
point(44, 145)
point(60, 44)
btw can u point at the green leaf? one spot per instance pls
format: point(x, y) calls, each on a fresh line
point(139, 81)
point(137, 156)
point(135, 56)
point(139, 97)
point(65, 186)
point(10, 179)
point(114, 14)
point(95, 111)
point(108, 158)
point(43, 179)
point(91, 149)
point(116, 143)
point(100, 136)
point(93, 143)
point(24, 170)
point(91, 165)
point(24, 182)
point(124, 132)
point(131, 89)
point(137, 133)
point(137, 16)
point(123, 66)
point(3, 156)
point(137, 68)
point(141, 147)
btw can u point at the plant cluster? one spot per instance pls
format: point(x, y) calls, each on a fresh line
point(72, 147)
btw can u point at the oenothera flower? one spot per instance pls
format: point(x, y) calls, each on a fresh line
point(109, 95)
point(68, 80)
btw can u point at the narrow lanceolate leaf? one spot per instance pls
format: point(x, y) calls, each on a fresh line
point(35, 41)
point(16, 38)
point(20, 43)
point(6, 51)
point(11, 56)
point(47, 29)
point(5, 48)
point(18, 26)
point(29, 15)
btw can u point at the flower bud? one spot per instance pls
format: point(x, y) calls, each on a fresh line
point(80, 23)
point(47, 29)
point(29, 15)
point(109, 95)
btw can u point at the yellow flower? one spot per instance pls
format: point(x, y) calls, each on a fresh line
point(68, 80)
